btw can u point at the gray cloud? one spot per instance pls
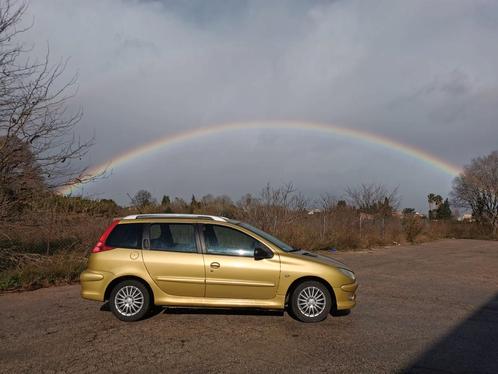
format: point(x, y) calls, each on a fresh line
point(422, 72)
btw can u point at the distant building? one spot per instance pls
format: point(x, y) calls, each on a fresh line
point(400, 214)
point(397, 214)
point(467, 217)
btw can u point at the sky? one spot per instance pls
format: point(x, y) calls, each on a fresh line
point(418, 72)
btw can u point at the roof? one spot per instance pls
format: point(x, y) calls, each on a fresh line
point(181, 216)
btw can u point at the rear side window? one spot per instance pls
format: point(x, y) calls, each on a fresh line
point(127, 235)
point(172, 237)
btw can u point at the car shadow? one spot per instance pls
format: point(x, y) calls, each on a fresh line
point(340, 313)
point(155, 310)
point(223, 311)
point(471, 347)
point(105, 307)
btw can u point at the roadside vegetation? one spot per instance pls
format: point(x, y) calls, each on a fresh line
point(45, 238)
point(48, 243)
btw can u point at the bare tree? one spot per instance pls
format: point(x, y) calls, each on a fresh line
point(327, 202)
point(20, 181)
point(328, 205)
point(36, 126)
point(280, 205)
point(217, 205)
point(274, 208)
point(142, 199)
point(373, 198)
point(476, 188)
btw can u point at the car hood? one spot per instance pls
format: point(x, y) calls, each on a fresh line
point(322, 259)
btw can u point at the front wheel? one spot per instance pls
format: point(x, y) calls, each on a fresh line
point(310, 302)
point(130, 300)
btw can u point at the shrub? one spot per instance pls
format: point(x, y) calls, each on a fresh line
point(412, 227)
point(43, 271)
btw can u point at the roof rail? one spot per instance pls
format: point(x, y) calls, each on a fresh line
point(185, 216)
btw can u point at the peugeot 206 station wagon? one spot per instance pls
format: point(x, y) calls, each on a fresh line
point(208, 261)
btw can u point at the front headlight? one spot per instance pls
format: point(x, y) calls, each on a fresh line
point(347, 273)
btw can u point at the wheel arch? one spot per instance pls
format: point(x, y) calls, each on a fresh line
point(119, 279)
point(300, 280)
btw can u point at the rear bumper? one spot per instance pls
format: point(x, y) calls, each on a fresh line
point(346, 296)
point(94, 283)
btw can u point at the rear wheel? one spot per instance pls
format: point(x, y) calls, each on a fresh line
point(130, 300)
point(311, 302)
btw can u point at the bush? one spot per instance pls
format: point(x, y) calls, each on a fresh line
point(412, 227)
point(46, 249)
point(43, 271)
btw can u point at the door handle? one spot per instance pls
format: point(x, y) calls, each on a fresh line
point(215, 265)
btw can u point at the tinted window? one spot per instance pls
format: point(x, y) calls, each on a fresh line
point(172, 237)
point(226, 241)
point(126, 236)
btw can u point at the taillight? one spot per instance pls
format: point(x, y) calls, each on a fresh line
point(100, 246)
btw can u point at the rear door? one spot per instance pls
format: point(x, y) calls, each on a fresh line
point(173, 258)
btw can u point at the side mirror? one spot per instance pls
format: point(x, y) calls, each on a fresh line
point(260, 254)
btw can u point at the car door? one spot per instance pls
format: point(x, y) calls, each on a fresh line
point(173, 258)
point(231, 269)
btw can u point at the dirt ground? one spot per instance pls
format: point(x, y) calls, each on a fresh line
point(424, 308)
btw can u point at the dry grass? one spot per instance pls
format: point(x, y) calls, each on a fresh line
point(38, 253)
point(31, 272)
point(48, 249)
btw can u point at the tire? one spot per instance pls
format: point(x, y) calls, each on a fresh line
point(130, 300)
point(310, 302)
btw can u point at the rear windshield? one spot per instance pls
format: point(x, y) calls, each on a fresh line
point(127, 235)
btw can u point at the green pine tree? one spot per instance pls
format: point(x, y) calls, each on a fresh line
point(443, 210)
point(165, 201)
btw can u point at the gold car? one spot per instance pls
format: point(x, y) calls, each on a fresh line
point(210, 261)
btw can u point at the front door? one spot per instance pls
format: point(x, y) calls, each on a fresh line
point(231, 270)
point(173, 260)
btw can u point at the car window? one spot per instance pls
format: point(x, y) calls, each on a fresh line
point(284, 246)
point(127, 235)
point(222, 240)
point(172, 237)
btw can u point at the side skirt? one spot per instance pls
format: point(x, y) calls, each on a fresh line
point(278, 302)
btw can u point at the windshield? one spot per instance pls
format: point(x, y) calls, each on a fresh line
point(285, 247)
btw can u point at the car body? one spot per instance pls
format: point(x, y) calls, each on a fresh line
point(210, 261)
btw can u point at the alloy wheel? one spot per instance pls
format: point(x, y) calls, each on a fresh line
point(311, 301)
point(129, 300)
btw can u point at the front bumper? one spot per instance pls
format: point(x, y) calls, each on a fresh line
point(345, 296)
point(94, 284)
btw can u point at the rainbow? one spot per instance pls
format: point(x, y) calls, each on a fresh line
point(358, 135)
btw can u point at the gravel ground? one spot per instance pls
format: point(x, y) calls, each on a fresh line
point(424, 308)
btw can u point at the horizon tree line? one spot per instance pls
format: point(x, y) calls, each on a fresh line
point(40, 149)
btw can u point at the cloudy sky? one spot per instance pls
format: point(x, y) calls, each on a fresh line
point(419, 72)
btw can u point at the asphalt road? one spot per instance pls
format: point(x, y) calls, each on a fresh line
point(425, 308)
